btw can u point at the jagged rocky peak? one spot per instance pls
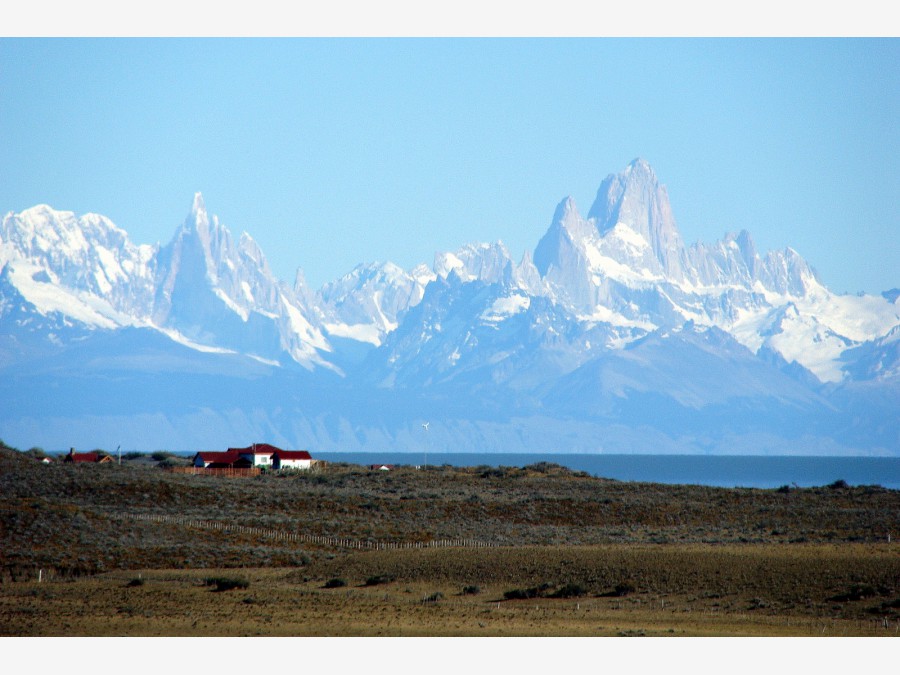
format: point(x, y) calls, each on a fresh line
point(300, 283)
point(251, 250)
point(88, 253)
point(204, 239)
point(743, 243)
point(369, 292)
point(198, 206)
point(630, 222)
point(788, 273)
point(567, 229)
point(528, 277)
point(568, 220)
point(215, 240)
point(197, 220)
point(367, 279)
point(635, 198)
point(44, 233)
point(202, 254)
point(221, 293)
point(731, 260)
point(490, 263)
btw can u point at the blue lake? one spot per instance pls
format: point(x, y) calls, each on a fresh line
point(716, 470)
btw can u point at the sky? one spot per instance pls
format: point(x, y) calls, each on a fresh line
point(333, 152)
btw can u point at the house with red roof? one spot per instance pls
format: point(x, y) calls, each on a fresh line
point(93, 457)
point(90, 457)
point(258, 455)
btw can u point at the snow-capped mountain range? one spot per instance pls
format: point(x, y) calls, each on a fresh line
point(612, 336)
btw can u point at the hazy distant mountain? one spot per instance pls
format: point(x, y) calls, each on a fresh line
point(612, 336)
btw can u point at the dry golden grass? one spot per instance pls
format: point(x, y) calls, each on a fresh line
point(632, 558)
point(692, 590)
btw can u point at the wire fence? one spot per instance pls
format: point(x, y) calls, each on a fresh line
point(228, 471)
point(300, 537)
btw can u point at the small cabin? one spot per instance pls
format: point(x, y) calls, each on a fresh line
point(92, 457)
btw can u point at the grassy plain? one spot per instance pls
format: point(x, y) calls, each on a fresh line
point(569, 555)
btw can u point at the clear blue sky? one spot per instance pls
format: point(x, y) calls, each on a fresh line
point(331, 152)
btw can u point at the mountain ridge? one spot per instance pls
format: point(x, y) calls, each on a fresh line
point(571, 322)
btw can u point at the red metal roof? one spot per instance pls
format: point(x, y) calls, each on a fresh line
point(81, 457)
point(228, 456)
point(233, 454)
point(257, 449)
point(293, 454)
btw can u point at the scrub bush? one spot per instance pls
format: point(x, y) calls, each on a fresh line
point(571, 590)
point(227, 583)
point(377, 579)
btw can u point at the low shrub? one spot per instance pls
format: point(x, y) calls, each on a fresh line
point(471, 590)
point(377, 579)
point(434, 597)
point(839, 485)
point(336, 582)
point(500, 472)
point(519, 594)
point(135, 582)
point(623, 589)
point(570, 590)
point(545, 467)
point(227, 583)
point(526, 593)
point(855, 592)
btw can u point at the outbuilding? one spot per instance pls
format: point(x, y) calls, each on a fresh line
point(220, 460)
point(291, 459)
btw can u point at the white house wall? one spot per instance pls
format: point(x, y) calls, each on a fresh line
point(295, 464)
